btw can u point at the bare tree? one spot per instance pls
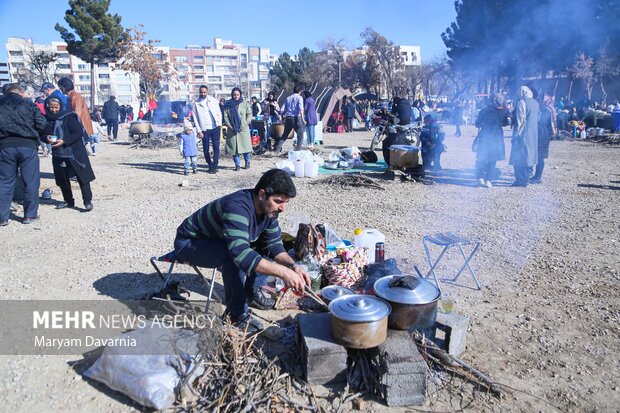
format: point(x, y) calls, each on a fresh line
point(605, 67)
point(389, 59)
point(143, 58)
point(41, 63)
point(583, 69)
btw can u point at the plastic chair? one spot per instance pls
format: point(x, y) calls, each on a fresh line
point(448, 240)
point(172, 259)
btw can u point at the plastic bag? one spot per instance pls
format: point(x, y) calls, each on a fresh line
point(352, 152)
point(334, 156)
point(378, 270)
point(151, 374)
point(287, 166)
point(331, 237)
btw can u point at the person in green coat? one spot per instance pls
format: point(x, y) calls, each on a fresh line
point(237, 117)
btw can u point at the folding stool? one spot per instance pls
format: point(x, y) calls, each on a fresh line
point(448, 240)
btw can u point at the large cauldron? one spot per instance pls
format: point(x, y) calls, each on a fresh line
point(413, 300)
point(140, 128)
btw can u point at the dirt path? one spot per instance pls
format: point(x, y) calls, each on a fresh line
point(546, 320)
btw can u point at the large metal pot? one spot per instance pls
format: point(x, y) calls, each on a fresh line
point(413, 300)
point(331, 292)
point(140, 128)
point(359, 321)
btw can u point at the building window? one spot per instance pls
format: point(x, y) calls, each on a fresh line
point(18, 65)
point(84, 78)
point(120, 76)
point(102, 65)
point(199, 77)
point(215, 79)
point(16, 53)
point(83, 66)
point(84, 88)
point(64, 56)
point(104, 76)
point(414, 57)
point(123, 88)
point(104, 87)
point(199, 67)
point(180, 59)
point(199, 58)
point(63, 66)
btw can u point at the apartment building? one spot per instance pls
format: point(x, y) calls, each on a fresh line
point(221, 67)
point(4, 73)
point(109, 80)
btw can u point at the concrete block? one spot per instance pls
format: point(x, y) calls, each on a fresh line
point(405, 389)
point(451, 334)
point(406, 370)
point(401, 354)
point(324, 360)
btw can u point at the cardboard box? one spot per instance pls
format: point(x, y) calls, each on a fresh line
point(402, 156)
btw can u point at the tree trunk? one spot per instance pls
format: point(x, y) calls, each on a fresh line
point(93, 90)
point(557, 81)
point(604, 100)
point(570, 89)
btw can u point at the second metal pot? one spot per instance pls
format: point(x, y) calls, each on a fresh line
point(359, 321)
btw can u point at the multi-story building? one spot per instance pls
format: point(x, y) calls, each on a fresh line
point(4, 73)
point(109, 80)
point(221, 67)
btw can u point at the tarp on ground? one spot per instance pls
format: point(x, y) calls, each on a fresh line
point(379, 166)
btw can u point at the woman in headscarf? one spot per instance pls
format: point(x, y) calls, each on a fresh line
point(546, 130)
point(489, 144)
point(524, 149)
point(69, 157)
point(237, 118)
point(311, 117)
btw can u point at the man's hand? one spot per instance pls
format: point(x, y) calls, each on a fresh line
point(58, 143)
point(296, 278)
point(199, 135)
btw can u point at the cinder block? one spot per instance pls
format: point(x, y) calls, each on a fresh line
point(406, 370)
point(405, 389)
point(324, 360)
point(454, 329)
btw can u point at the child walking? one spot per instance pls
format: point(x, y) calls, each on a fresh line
point(95, 138)
point(188, 148)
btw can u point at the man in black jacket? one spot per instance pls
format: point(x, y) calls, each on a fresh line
point(21, 122)
point(111, 110)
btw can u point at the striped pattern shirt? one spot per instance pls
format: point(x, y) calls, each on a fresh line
point(233, 219)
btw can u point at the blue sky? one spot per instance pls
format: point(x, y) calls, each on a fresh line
point(259, 22)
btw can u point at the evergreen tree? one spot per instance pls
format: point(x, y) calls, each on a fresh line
point(98, 36)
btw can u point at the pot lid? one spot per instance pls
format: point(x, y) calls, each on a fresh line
point(331, 292)
point(359, 308)
point(406, 289)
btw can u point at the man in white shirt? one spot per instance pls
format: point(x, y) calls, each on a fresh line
point(207, 118)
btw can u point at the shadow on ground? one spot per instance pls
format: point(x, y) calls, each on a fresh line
point(596, 186)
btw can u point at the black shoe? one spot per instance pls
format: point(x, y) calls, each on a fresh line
point(194, 170)
point(186, 173)
point(247, 323)
point(4, 223)
point(30, 220)
point(237, 168)
point(64, 205)
point(260, 299)
point(534, 180)
point(88, 207)
point(247, 166)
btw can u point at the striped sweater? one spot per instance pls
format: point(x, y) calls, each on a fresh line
point(233, 218)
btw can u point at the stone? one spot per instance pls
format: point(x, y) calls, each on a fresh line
point(324, 360)
point(453, 327)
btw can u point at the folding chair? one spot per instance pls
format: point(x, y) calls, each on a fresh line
point(448, 240)
point(172, 259)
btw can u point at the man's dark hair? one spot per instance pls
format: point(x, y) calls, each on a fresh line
point(203, 87)
point(296, 89)
point(276, 182)
point(112, 98)
point(12, 88)
point(66, 84)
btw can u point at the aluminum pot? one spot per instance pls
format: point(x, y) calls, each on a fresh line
point(359, 321)
point(331, 292)
point(413, 300)
point(140, 128)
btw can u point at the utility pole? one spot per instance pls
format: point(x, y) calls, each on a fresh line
point(339, 74)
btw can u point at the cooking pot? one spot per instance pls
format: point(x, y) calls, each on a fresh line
point(331, 292)
point(413, 300)
point(140, 128)
point(359, 321)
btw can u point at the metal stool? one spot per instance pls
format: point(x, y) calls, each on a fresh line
point(171, 258)
point(447, 240)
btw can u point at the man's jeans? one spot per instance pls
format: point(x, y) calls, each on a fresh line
point(94, 140)
point(246, 158)
point(208, 253)
point(291, 123)
point(310, 132)
point(211, 135)
point(27, 160)
point(112, 125)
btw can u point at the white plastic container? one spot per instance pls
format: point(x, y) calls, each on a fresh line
point(368, 238)
point(311, 169)
point(299, 168)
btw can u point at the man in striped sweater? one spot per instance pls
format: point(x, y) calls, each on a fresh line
point(234, 232)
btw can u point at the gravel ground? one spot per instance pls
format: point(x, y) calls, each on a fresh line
point(546, 320)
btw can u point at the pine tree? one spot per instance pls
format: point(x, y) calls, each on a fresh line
point(98, 36)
